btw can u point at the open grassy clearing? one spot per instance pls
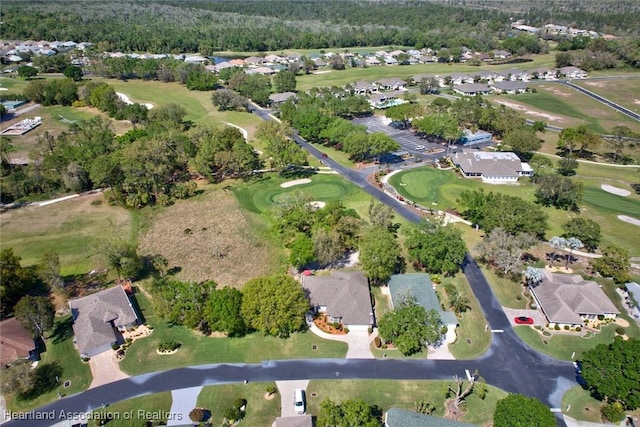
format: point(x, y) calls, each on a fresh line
point(429, 185)
point(505, 290)
point(75, 229)
point(387, 394)
point(60, 350)
point(260, 411)
point(12, 84)
point(259, 196)
point(563, 106)
point(625, 91)
point(473, 339)
point(198, 349)
point(135, 411)
point(328, 77)
point(562, 345)
point(582, 406)
point(209, 237)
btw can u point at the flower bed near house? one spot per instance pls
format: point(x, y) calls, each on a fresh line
point(331, 328)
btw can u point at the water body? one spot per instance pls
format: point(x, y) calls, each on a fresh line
point(219, 59)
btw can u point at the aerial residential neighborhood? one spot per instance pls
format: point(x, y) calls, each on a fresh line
point(327, 214)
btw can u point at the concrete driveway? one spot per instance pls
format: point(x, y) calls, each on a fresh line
point(286, 389)
point(105, 369)
point(359, 342)
point(536, 315)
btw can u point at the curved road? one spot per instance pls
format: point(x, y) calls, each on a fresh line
point(509, 363)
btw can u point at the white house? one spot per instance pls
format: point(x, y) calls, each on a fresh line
point(493, 168)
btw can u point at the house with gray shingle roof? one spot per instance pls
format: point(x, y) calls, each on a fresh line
point(419, 287)
point(568, 299)
point(472, 89)
point(343, 295)
point(276, 99)
point(495, 168)
point(510, 87)
point(391, 83)
point(396, 417)
point(98, 318)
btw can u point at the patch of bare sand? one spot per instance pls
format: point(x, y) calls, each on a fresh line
point(596, 83)
point(210, 237)
point(524, 109)
point(636, 101)
point(295, 182)
point(615, 190)
point(629, 220)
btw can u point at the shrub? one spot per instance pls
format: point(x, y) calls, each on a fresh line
point(168, 346)
point(271, 389)
point(377, 342)
point(600, 317)
point(115, 346)
point(566, 327)
point(435, 278)
point(613, 412)
point(578, 329)
point(96, 202)
point(239, 402)
point(620, 330)
point(557, 327)
point(346, 330)
point(129, 340)
point(197, 415)
point(233, 414)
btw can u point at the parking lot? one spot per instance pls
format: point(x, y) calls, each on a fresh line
point(407, 139)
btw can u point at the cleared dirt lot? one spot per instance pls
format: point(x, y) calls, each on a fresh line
point(210, 237)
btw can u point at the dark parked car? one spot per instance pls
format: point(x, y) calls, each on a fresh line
point(523, 320)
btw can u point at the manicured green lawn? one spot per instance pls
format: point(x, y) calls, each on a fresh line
point(136, 411)
point(339, 156)
point(75, 229)
point(72, 114)
point(387, 394)
point(258, 196)
point(13, 85)
point(505, 290)
point(198, 349)
point(473, 339)
point(259, 412)
point(578, 404)
point(561, 346)
point(59, 350)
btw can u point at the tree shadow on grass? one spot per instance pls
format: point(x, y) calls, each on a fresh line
point(45, 378)
point(62, 331)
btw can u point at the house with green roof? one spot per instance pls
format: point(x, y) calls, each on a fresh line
point(395, 417)
point(419, 287)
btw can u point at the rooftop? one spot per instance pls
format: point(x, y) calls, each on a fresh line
point(419, 286)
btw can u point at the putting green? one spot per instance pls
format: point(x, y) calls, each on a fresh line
point(260, 196)
point(611, 203)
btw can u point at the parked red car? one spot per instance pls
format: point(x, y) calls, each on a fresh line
point(523, 320)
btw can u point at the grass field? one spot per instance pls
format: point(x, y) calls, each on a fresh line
point(472, 339)
point(260, 411)
point(198, 349)
point(566, 107)
point(562, 346)
point(505, 290)
point(13, 85)
point(209, 237)
point(428, 185)
point(581, 405)
point(60, 350)
point(625, 92)
point(135, 411)
point(75, 229)
point(258, 196)
point(400, 394)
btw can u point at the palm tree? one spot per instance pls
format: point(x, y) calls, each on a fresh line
point(459, 303)
point(533, 276)
point(556, 243)
point(573, 243)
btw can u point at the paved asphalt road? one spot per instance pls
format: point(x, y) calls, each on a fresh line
point(509, 364)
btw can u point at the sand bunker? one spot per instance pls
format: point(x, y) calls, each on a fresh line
point(629, 220)
point(124, 98)
point(317, 204)
point(295, 182)
point(519, 107)
point(615, 190)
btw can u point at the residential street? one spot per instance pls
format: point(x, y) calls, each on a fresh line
point(509, 363)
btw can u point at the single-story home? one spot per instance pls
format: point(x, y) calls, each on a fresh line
point(195, 59)
point(363, 87)
point(343, 295)
point(385, 100)
point(471, 138)
point(391, 83)
point(260, 70)
point(472, 89)
point(494, 168)
point(501, 54)
point(254, 60)
point(371, 61)
point(572, 72)
point(16, 342)
point(98, 318)
point(510, 87)
point(454, 79)
point(419, 287)
point(276, 99)
point(569, 299)
point(396, 417)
